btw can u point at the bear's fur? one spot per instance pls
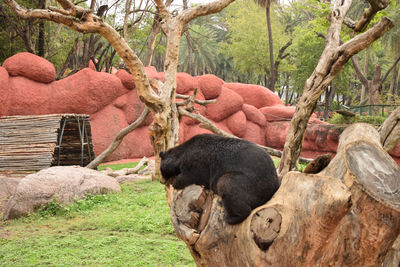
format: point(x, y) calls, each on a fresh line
point(239, 171)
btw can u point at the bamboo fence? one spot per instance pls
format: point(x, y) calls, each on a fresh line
point(35, 142)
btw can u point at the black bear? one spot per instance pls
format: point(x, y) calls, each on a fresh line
point(239, 171)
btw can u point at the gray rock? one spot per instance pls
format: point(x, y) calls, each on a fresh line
point(65, 183)
point(7, 188)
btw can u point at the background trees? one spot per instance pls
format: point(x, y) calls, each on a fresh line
point(234, 45)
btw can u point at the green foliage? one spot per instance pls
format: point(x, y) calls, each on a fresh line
point(200, 41)
point(247, 42)
point(131, 228)
point(377, 120)
point(307, 45)
point(339, 119)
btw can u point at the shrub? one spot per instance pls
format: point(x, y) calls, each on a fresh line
point(340, 119)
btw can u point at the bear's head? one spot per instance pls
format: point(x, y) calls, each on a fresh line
point(169, 165)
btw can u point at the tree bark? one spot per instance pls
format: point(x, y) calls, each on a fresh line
point(392, 85)
point(155, 30)
point(390, 130)
point(374, 88)
point(364, 87)
point(347, 215)
point(332, 60)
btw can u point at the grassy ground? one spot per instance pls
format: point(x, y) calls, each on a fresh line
point(131, 228)
point(117, 166)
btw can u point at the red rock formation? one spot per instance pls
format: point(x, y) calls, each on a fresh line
point(248, 111)
point(210, 85)
point(254, 115)
point(237, 123)
point(185, 83)
point(30, 66)
point(4, 91)
point(126, 79)
point(255, 95)
point(228, 102)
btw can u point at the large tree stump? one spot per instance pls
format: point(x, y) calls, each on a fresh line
point(347, 215)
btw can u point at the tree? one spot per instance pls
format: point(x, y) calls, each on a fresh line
point(247, 42)
point(334, 217)
point(165, 126)
point(267, 5)
point(332, 60)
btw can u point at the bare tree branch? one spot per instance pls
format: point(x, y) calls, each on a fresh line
point(207, 124)
point(362, 41)
point(202, 10)
point(118, 140)
point(360, 74)
point(390, 69)
point(368, 15)
point(200, 102)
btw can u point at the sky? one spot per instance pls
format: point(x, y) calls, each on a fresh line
point(178, 3)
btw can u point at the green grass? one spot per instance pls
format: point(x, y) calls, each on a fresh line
point(340, 119)
point(300, 166)
point(117, 166)
point(131, 228)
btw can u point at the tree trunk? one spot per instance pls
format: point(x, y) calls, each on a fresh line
point(374, 88)
point(392, 85)
point(397, 89)
point(347, 215)
point(190, 68)
point(164, 131)
point(390, 130)
point(364, 89)
point(271, 83)
point(155, 30)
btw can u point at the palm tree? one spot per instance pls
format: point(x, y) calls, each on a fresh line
point(267, 5)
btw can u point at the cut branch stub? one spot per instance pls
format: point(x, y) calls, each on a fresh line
point(190, 210)
point(381, 179)
point(265, 227)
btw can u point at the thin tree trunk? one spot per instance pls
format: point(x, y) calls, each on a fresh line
point(155, 30)
point(190, 69)
point(364, 89)
point(392, 85)
point(69, 58)
point(271, 84)
point(374, 88)
point(398, 83)
point(41, 34)
point(128, 4)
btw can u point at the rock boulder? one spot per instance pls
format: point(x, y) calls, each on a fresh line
point(30, 66)
point(7, 188)
point(63, 183)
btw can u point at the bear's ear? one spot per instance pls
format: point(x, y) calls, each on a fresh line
point(162, 154)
